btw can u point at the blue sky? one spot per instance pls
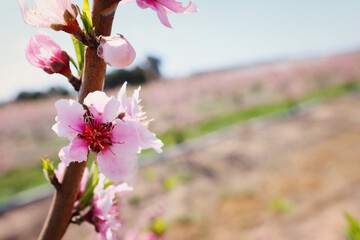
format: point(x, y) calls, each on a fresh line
point(221, 35)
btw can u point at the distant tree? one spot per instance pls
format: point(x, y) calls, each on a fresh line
point(149, 70)
point(116, 78)
point(152, 68)
point(54, 91)
point(25, 95)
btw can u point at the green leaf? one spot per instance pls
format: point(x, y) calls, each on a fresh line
point(80, 54)
point(352, 231)
point(74, 63)
point(85, 16)
point(48, 167)
point(91, 183)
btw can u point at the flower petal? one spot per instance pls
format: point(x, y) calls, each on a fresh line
point(29, 15)
point(162, 15)
point(126, 136)
point(123, 99)
point(72, 150)
point(70, 120)
point(148, 139)
point(116, 166)
point(106, 107)
point(177, 6)
point(78, 150)
point(59, 172)
point(126, 1)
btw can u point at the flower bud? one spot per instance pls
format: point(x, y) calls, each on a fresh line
point(45, 53)
point(116, 51)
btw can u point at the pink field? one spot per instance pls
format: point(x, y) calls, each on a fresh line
point(25, 129)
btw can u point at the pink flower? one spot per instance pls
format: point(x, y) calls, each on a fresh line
point(59, 15)
point(116, 51)
point(43, 52)
point(105, 208)
point(95, 126)
point(163, 7)
point(130, 110)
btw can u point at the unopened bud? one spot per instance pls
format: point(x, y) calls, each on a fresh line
point(45, 53)
point(116, 51)
point(57, 66)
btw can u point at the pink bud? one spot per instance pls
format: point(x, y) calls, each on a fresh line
point(116, 51)
point(43, 52)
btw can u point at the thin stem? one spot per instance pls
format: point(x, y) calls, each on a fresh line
point(60, 212)
point(54, 181)
point(74, 81)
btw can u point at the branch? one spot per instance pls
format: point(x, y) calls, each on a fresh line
point(60, 212)
point(74, 81)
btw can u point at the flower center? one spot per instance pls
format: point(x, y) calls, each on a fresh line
point(96, 134)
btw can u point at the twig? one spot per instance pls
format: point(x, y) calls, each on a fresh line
point(93, 79)
point(74, 81)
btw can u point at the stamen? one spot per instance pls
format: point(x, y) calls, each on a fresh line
point(111, 151)
point(97, 134)
point(74, 128)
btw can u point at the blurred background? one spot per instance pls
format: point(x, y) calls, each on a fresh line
point(257, 104)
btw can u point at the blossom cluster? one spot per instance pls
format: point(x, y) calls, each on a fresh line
point(104, 207)
point(61, 15)
point(114, 129)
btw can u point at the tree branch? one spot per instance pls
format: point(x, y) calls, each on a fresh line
point(93, 79)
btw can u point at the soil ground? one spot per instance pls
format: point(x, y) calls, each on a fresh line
point(291, 178)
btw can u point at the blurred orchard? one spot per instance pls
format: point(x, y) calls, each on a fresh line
point(261, 151)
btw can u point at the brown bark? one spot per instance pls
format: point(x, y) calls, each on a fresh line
point(93, 79)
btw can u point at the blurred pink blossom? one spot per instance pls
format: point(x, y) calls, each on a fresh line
point(163, 7)
point(132, 111)
point(116, 51)
point(55, 14)
point(43, 52)
point(144, 227)
point(105, 208)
